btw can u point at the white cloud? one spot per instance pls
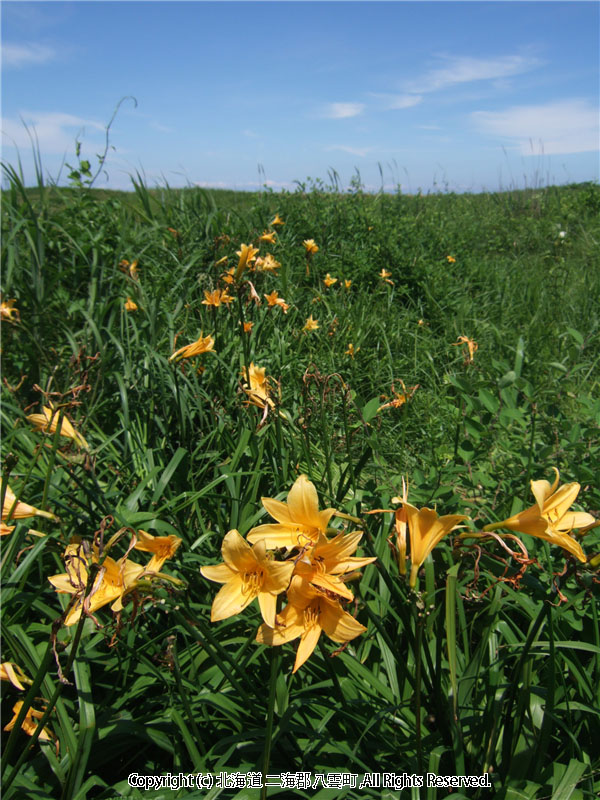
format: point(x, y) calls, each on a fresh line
point(465, 70)
point(392, 102)
point(344, 110)
point(354, 151)
point(565, 126)
point(161, 128)
point(22, 55)
point(53, 131)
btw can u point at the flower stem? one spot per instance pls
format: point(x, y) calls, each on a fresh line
point(275, 669)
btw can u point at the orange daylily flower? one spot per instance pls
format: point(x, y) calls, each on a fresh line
point(300, 522)
point(30, 723)
point(308, 613)
point(248, 573)
point(15, 509)
point(161, 547)
point(273, 299)
point(550, 518)
point(311, 324)
point(47, 422)
point(202, 345)
point(216, 298)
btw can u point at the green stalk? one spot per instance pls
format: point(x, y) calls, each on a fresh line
point(418, 620)
point(275, 669)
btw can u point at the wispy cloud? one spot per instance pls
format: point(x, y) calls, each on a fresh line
point(392, 102)
point(161, 128)
point(565, 126)
point(53, 131)
point(464, 69)
point(23, 55)
point(343, 110)
point(354, 151)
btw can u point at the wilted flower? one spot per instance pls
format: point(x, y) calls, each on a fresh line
point(130, 268)
point(311, 324)
point(248, 573)
point(13, 673)
point(115, 580)
point(401, 397)
point(550, 518)
point(48, 423)
point(472, 347)
point(203, 345)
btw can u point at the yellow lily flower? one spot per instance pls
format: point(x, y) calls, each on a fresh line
point(310, 246)
point(257, 388)
point(268, 236)
point(308, 613)
point(115, 579)
point(130, 305)
point(347, 283)
point(550, 518)
point(267, 264)
point(216, 298)
point(13, 673)
point(203, 345)
point(15, 509)
point(161, 547)
point(248, 573)
point(48, 423)
point(277, 221)
point(273, 299)
point(8, 311)
point(426, 530)
point(351, 351)
point(300, 521)
point(311, 324)
point(30, 723)
point(329, 281)
point(322, 564)
point(247, 254)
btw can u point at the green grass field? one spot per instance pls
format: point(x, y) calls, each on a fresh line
point(452, 362)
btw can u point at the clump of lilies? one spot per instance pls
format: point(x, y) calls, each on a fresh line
point(300, 556)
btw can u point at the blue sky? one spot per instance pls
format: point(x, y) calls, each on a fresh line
point(466, 96)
